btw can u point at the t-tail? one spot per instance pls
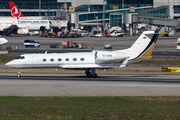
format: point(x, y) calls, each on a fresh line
point(15, 12)
point(143, 46)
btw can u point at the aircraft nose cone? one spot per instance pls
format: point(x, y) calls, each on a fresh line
point(5, 41)
point(8, 64)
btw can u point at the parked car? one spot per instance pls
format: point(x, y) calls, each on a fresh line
point(84, 33)
point(117, 34)
point(96, 34)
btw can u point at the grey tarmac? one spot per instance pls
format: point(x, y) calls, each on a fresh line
point(79, 85)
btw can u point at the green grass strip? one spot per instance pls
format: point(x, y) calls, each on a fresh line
point(95, 108)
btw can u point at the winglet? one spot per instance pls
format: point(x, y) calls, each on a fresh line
point(15, 12)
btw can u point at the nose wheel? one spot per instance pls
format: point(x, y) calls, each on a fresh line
point(19, 73)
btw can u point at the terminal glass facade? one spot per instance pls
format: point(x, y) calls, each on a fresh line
point(176, 9)
point(157, 13)
point(120, 3)
point(90, 8)
point(115, 20)
point(92, 16)
point(46, 5)
point(128, 3)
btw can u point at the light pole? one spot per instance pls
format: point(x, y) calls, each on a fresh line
point(103, 15)
point(65, 6)
point(122, 4)
point(39, 7)
point(97, 21)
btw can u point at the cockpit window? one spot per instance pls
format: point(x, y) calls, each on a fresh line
point(20, 57)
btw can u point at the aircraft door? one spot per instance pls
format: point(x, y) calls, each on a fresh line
point(34, 60)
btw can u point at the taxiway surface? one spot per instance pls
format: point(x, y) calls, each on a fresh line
point(79, 85)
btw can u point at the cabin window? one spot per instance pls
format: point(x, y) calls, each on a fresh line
point(44, 60)
point(82, 59)
point(67, 59)
point(22, 57)
point(51, 59)
point(59, 59)
point(74, 59)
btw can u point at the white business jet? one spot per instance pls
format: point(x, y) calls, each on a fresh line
point(89, 61)
point(3, 40)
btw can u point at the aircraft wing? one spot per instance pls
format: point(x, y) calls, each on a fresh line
point(117, 64)
point(82, 67)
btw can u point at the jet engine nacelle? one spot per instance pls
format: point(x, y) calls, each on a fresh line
point(108, 56)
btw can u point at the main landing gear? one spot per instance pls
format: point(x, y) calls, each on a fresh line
point(19, 73)
point(90, 73)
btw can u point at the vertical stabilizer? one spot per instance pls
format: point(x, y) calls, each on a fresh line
point(15, 12)
point(143, 46)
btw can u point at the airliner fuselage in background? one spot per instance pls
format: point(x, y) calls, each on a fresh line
point(21, 21)
point(89, 61)
point(28, 24)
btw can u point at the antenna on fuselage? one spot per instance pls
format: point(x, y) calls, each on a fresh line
point(45, 52)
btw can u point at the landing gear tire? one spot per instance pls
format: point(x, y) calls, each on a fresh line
point(18, 75)
point(88, 74)
point(94, 75)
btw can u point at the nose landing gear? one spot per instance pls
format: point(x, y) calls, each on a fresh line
point(19, 73)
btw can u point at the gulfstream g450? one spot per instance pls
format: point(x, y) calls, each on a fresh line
point(89, 61)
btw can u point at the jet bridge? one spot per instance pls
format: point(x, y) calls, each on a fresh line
point(151, 17)
point(165, 22)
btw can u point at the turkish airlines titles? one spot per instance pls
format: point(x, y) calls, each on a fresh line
point(33, 21)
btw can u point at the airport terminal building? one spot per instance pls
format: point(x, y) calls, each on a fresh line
point(89, 11)
point(53, 7)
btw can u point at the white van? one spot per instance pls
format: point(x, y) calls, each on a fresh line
point(31, 43)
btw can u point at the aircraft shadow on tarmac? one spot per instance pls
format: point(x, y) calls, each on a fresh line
point(103, 78)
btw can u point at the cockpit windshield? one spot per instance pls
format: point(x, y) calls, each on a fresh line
point(20, 57)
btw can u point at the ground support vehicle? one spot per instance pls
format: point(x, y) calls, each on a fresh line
point(31, 43)
point(52, 35)
point(107, 46)
point(80, 46)
point(117, 34)
point(55, 45)
point(96, 34)
point(67, 44)
point(178, 44)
